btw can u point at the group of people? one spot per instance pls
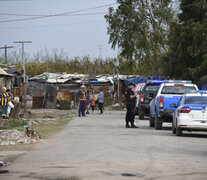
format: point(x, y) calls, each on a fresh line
point(86, 100)
point(5, 100)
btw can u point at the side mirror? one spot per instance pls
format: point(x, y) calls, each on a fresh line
point(173, 105)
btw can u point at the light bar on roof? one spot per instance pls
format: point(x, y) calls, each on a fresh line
point(155, 81)
point(176, 81)
point(202, 91)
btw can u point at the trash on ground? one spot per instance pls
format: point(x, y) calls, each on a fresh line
point(12, 137)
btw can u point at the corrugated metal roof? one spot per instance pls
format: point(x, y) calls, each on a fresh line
point(2, 72)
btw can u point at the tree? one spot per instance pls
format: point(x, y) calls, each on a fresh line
point(187, 54)
point(139, 29)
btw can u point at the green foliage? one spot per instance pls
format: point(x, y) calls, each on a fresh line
point(186, 57)
point(12, 123)
point(139, 29)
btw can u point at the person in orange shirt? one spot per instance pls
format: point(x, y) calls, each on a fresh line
point(93, 102)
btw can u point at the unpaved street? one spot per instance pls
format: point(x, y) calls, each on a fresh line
point(98, 147)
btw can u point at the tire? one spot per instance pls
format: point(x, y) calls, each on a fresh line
point(141, 114)
point(152, 122)
point(179, 131)
point(158, 123)
point(173, 129)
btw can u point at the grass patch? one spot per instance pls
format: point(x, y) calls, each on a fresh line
point(44, 129)
point(48, 129)
point(11, 123)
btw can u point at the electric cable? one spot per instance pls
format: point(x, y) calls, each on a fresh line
point(56, 15)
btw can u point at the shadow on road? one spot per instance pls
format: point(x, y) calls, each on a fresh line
point(192, 135)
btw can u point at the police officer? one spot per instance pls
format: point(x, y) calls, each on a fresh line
point(82, 101)
point(130, 104)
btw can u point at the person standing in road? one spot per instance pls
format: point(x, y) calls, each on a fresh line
point(101, 101)
point(88, 100)
point(4, 99)
point(130, 104)
point(82, 101)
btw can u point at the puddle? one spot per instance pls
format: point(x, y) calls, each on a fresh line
point(126, 174)
point(59, 167)
point(3, 171)
point(71, 178)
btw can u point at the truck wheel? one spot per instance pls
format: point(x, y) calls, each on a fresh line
point(141, 114)
point(158, 123)
point(173, 128)
point(152, 122)
point(179, 131)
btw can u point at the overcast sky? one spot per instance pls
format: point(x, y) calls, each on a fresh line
point(77, 35)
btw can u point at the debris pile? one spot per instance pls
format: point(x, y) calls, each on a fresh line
point(12, 137)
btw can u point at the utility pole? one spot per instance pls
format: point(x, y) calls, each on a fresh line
point(100, 52)
point(24, 69)
point(5, 48)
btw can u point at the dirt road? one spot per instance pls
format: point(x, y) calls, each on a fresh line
point(98, 147)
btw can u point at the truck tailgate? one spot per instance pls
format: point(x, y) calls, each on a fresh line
point(170, 99)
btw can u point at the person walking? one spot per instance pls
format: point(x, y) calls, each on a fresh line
point(130, 104)
point(93, 103)
point(88, 99)
point(101, 101)
point(4, 99)
point(82, 101)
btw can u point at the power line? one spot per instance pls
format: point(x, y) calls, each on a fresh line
point(33, 15)
point(56, 15)
point(51, 26)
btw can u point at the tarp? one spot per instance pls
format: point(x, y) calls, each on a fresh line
point(142, 80)
point(4, 73)
point(136, 80)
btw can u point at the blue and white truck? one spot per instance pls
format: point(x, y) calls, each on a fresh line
point(169, 92)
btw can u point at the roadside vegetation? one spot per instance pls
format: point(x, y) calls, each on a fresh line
point(45, 128)
point(154, 38)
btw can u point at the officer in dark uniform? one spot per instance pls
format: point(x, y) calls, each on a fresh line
point(130, 104)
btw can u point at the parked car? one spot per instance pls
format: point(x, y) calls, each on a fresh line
point(191, 113)
point(169, 93)
point(138, 89)
point(147, 94)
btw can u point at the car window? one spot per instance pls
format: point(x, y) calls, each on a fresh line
point(152, 88)
point(176, 89)
point(196, 100)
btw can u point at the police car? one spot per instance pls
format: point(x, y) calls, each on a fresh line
point(168, 93)
point(191, 113)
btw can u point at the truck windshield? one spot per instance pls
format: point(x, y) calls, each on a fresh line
point(196, 100)
point(152, 88)
point(176, 89)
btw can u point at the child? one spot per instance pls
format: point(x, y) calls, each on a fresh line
point(93, 102)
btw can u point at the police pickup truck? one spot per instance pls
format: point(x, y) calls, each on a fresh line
point(168, 93)
point(147, 94)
